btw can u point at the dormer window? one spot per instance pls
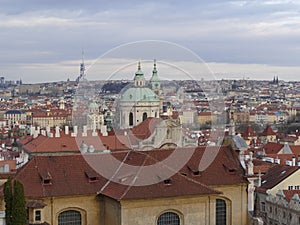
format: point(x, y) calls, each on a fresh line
point(92, 176)
point(47, 181)
point(196, 173)
point(230, 169)
point(46, 178)
point(167, 182)
point(194, 170)
point(35, 211)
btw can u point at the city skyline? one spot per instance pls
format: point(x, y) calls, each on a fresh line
point(42, 41)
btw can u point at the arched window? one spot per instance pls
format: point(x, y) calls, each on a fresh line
point(220, 212)
point(70, 217)
point(130, 119)
point(144, 116)
point(168, 218)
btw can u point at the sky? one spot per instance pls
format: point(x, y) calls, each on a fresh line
point(42, 40)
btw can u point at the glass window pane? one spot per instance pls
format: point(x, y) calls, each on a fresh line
point(70, 217)
point(220, 212)
point(168, 218)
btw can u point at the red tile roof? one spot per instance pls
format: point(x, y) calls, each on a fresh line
point(261, 166)
point(289, 194)
point(224, 170)
point(69, 175)
point(45, 144)
point(146, 128)
point(295, 149)
point(276, 174)
point(249, 132)
point(272, 147)
point(268, 131)
point(68, 144)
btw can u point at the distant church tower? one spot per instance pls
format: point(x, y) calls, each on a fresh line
point(154, 81)
point(138, 103)
point(15, 96)
point(156, 87)
point(82, 70)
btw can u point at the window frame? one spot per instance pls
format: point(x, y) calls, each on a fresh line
point(220, 219)
point(37, 215)
point(174, 212)
point(69, 210)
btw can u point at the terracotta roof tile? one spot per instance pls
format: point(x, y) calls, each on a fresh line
point(71, 174)
point(289, 194)
point(146, 128)
point(249, 132)
point(277, 174)
point(268, 131)
point(224, 170)
point(67, 176)
point(272, 147)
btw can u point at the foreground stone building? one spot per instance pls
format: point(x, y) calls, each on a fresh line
point(63, 190)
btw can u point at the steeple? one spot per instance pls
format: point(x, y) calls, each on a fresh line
point(139, 79)
point(155, 82)
point(82, 67)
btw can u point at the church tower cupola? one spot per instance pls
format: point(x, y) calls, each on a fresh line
point(139, 79)
point(154, 81)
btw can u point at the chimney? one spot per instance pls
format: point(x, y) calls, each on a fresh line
point(277, 160)
point(84, 133)
point(32, 129)
point(66, 130)
point(94, 133)
point(75, 131)
point(48, 129)
point(43, 132)
point(293, 161)
point(103, 130)
point(57, 134)
point(35, 134)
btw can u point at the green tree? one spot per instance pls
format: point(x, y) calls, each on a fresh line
point(19, 214)
point(8, 198)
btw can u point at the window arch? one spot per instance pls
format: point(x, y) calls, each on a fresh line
point(130, 119)
point(168, 218)
point(69, 217)
point(144, 116)
point(221, 212)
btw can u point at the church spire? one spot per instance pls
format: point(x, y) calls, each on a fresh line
point(155, 82)
point(139, 79)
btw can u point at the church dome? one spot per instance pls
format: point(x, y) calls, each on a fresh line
point(93, 105)
point(139, 94)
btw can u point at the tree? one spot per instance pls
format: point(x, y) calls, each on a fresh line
point(19, 214)
point(8, 198)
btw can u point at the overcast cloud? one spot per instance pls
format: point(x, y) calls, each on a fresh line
point(42, 40)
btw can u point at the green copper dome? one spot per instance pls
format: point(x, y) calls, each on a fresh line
point(139, 94)
point(93, 105)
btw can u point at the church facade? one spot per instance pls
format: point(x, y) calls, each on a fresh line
point(139, 102)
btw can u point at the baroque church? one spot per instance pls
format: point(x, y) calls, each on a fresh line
point(139, 102)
